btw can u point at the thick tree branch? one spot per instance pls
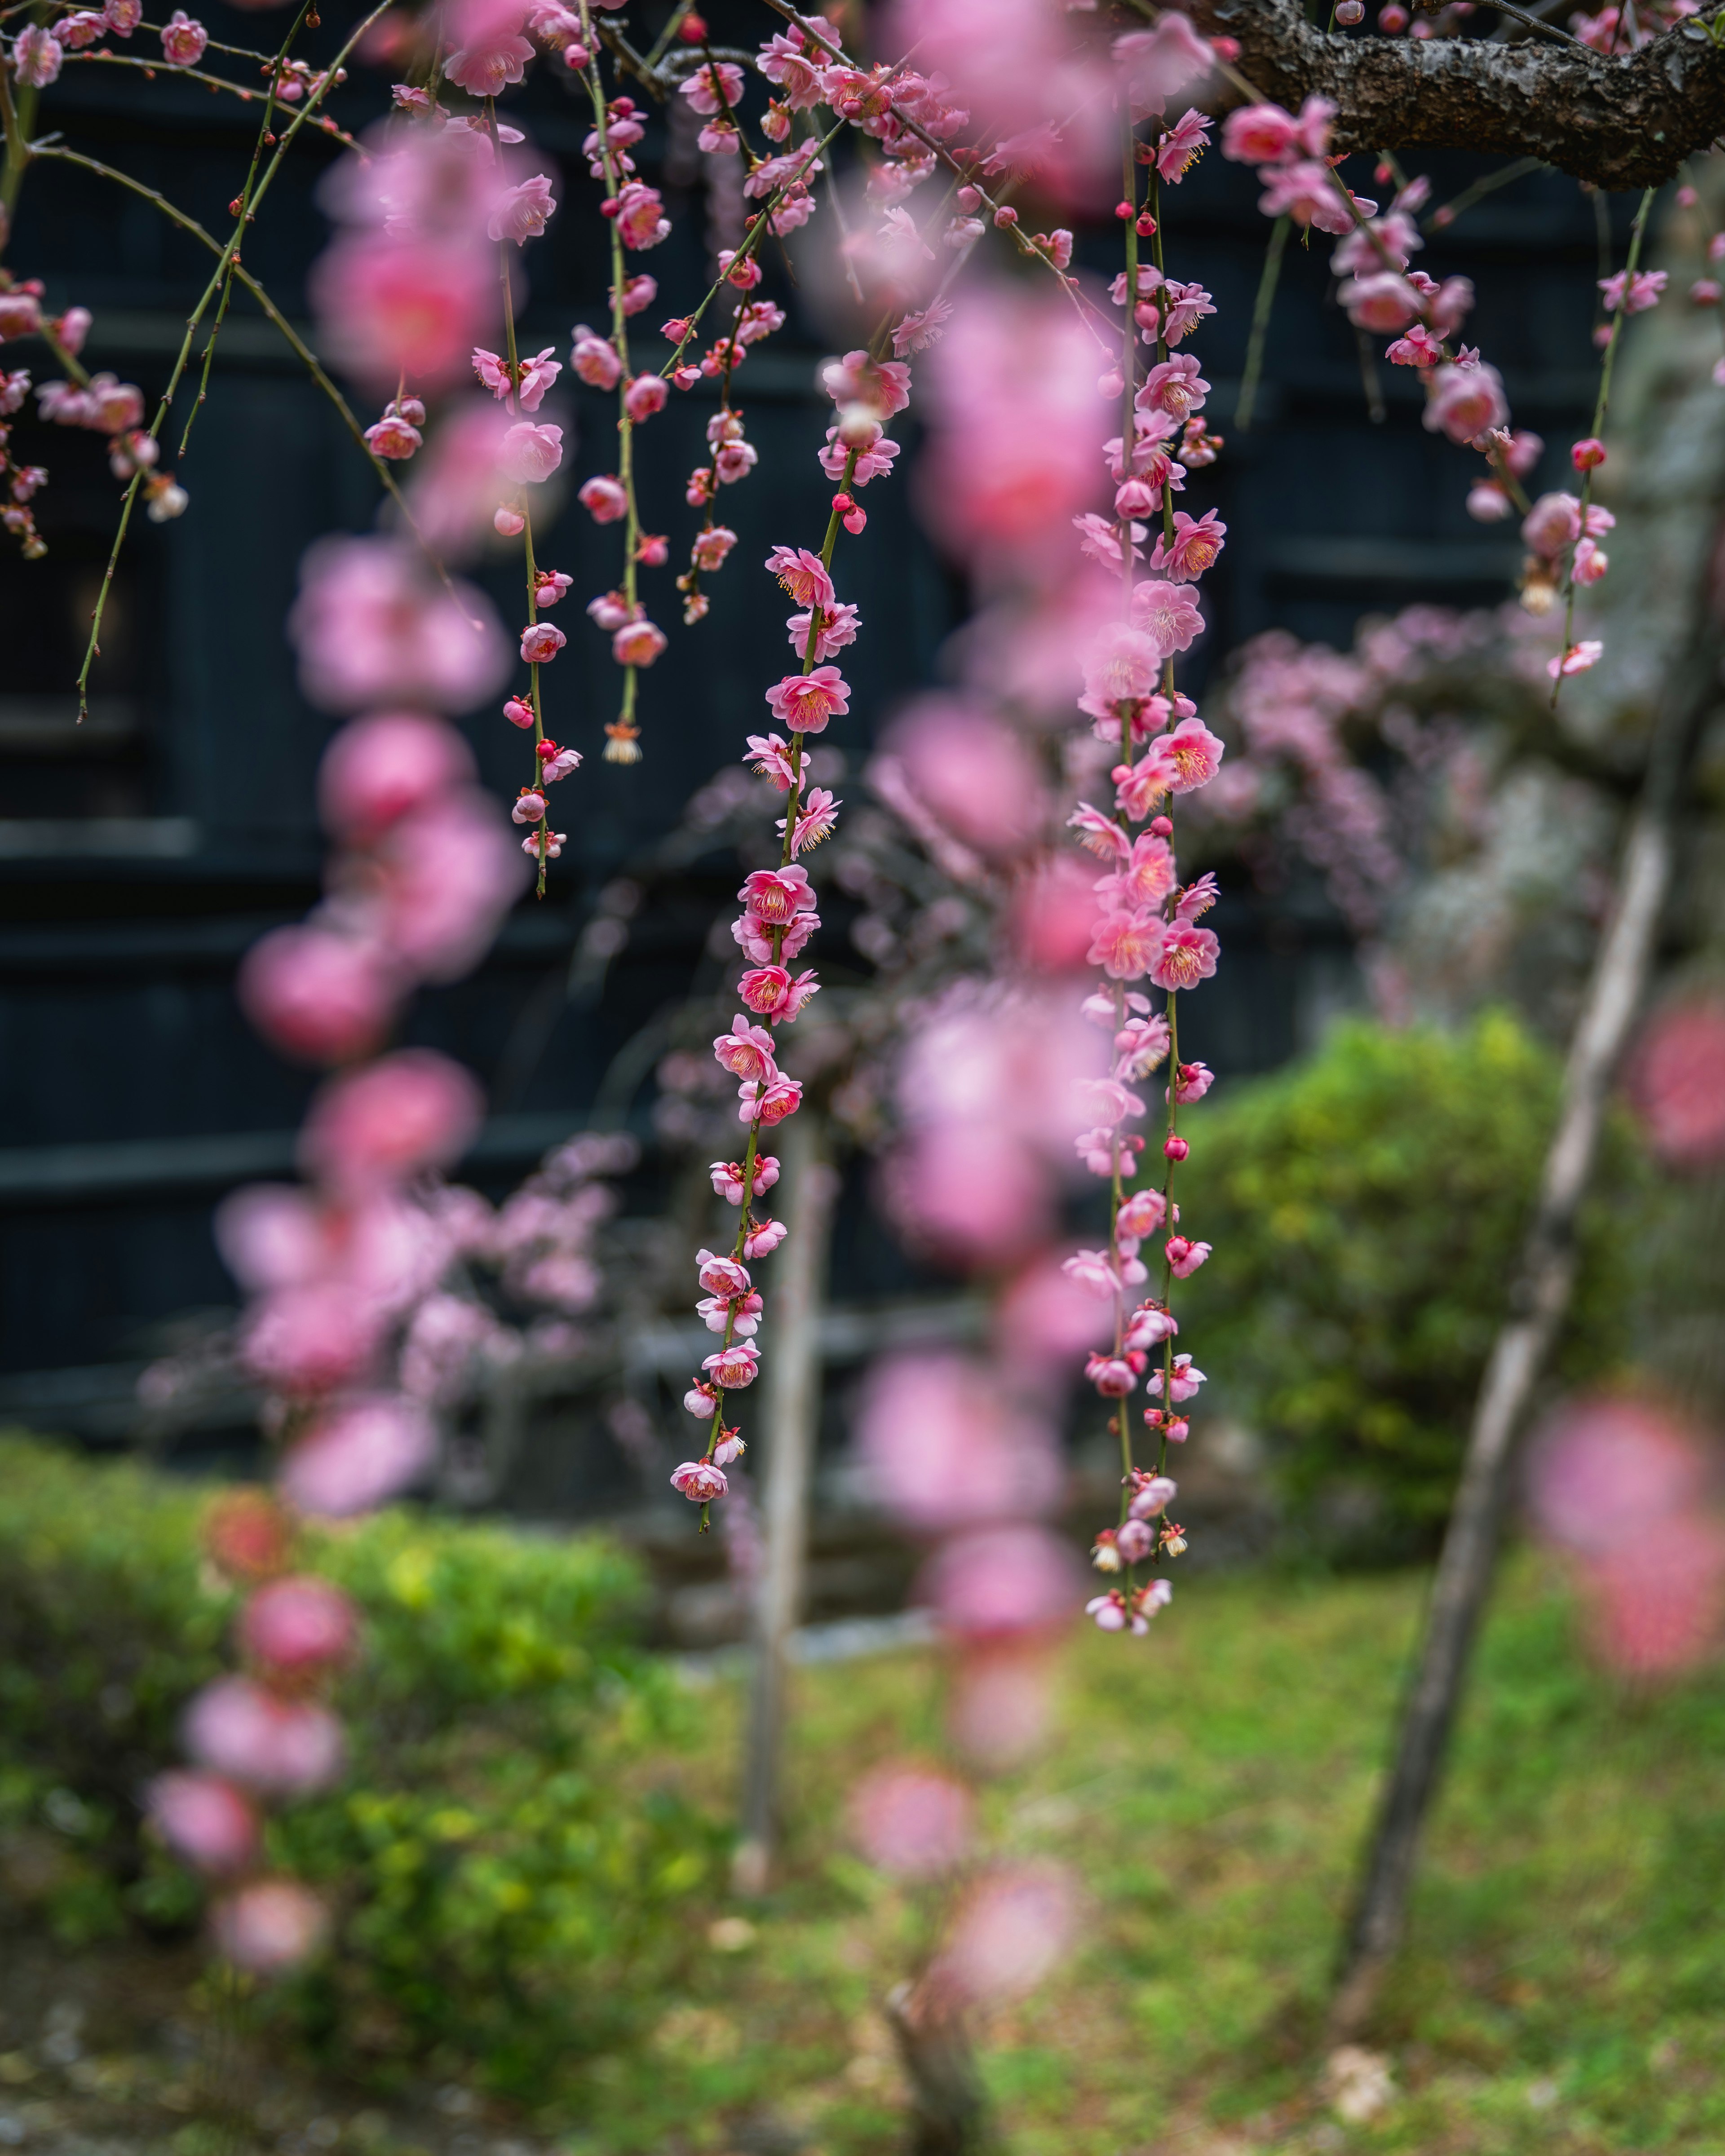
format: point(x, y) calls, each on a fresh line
point(1627, 122)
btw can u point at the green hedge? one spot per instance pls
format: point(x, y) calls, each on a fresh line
point(511, 1866)
point(1367, 1206)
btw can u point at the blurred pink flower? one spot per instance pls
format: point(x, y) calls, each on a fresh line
point(383, 766)
point(358, 1456)
point(1604, 1470)
point(205, 1820)
point(946, 1447)
point(1676, 1082)
point(530, 451)
point(973, 771)
point(281, 1748)
point(1002, 1583)
point(911, 1822)
point(269, 1927)
point(456, 484)
point(390, 306)
point(1012, 1931)
point(270, 1235)
point(490, 52)
point(1015, 430)
point(317, 996)
point(309, 1337)
point(390, 1121)
point(371, 626)
point(447, 873)
point(298, 1624)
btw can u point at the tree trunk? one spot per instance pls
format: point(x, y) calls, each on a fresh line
point(793, 1422)
point(949, 2113)
point(1538, 1299)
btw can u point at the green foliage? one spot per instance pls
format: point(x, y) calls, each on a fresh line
point(509, 1868)
point(1367, 1207)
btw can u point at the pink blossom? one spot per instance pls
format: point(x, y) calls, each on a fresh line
point(1196, 1079)
point(492, 53)
point(358, 1456)
point(816, 822)
point(735, 1367)
point(298, 1624)
point(20, 312)
point(727, 1178)
point(1310, 193)
point(1196, 543)
point(769, 756)
point(382, 1125)
point(1465, 402)
point(594, 358)
point(768, 1101)
point(1588, 564)
point(206, 1821)
point(645, 395)
point(182, 40)
point(746, 1051)
point(763, 1238)
point(973, 771)
point(540, 642)
point(1184, 1257)
point(912, 1823)
point(1185, 956)
point(279, 1746)
point(701, 1400)
point(1176, 387)
point(36, 56)
point(521, 213)
point(383, 767)
point(531, 452)
point(1418, 348)
point(1193, 754)
point(834, 628)
point(319, 996)
point(805, 702)
point(721, 1276)
point(638, 644)
point(604, 498)
point(1260, 135)
point(1180, 148)
point(711, 547)
point(1140, 1045)
point(372, 626)
point(1634, 294)
point(1383, 302)
point(1578, 659)
point(1186, 1380)
point(538, 373)
point(389, 306)
point(1166, 613)
point(559, 764)
point(392, 436)
point(1157, 64)
point(1139, 787)
point(270, 1926)
point(1125, 944)
point(639, 212)
point(699, 1482)
point(1112, 1376)
point(774, 895)
point(82, 27)
point(529, 807)
point(1000, 1583)
point(803, 576)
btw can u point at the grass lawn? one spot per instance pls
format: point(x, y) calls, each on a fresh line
point(1564, 1986)
point(1564, 1989)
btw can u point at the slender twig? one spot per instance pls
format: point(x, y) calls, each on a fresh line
point(1516, 15)
point(306, 112)
point(296, 344)
point(1247, 400)
point(246, 96)
point(1446, 213)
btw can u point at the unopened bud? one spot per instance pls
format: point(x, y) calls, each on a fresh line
point(1125, 212)
point(1145, 225)
point(1162, 827)
point(1588, 456)
point(1174, 1146)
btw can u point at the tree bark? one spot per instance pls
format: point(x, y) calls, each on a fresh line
point(1622, 122)
point(949, 2111)
point(793, 1422)
point(1539, 1298)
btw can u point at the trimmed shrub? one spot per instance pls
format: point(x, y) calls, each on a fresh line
point(510, 1867)
point(1367, 1207)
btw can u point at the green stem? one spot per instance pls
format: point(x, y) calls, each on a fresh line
point(1247, 400)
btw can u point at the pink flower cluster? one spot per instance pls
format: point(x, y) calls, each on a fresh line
point(778, 917)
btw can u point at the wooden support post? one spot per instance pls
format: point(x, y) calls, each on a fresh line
point(1538, 1301)
point(793, 1419)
